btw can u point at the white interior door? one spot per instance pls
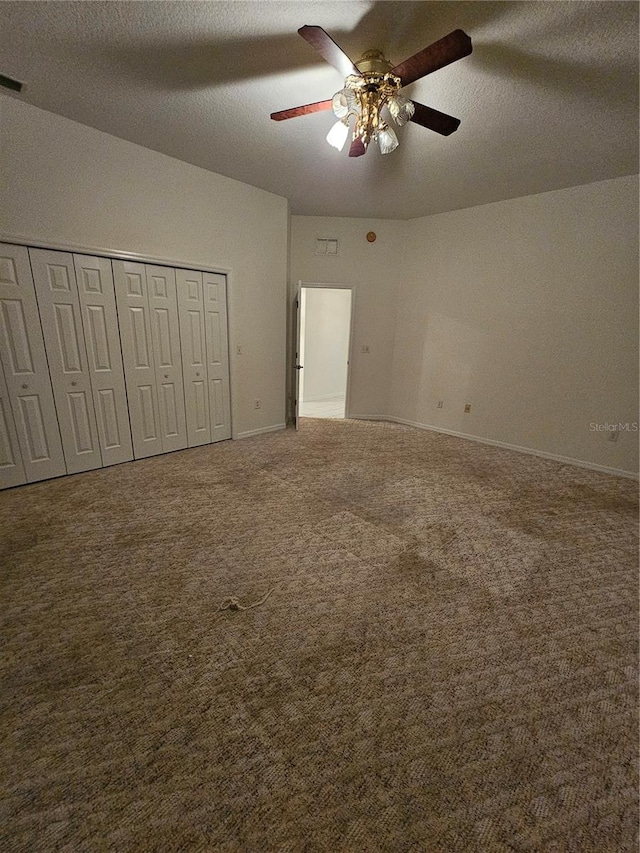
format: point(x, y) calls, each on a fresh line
point(194, 356)
point(12, 471)
point(26, 371)
point(100, 322)
point(165, 330)
point(137, 352)
point(57, 294)
point(215, 314)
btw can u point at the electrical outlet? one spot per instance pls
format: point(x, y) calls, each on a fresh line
point(440, 403)
point(365, 347)
point(467, 408)
point(256, 404)
point(238, 350)
point(612, 435)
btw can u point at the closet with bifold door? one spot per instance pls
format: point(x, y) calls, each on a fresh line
point(76, 317)
point(30, 444)
point(202, 308)
point(103, 361)
point(149, 331)
point(12, 471)
point(214, 287)
point(100, 322)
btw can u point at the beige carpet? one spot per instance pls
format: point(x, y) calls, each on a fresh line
point(447, 661)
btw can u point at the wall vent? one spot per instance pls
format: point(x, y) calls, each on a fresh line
point(326, 246)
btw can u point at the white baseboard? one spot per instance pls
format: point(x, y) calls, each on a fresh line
point(248, 433)
point(566, 460)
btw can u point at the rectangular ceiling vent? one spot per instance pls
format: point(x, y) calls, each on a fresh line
point(10, 83)
point(326, 246)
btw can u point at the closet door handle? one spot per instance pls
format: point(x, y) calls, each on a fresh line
point(74, 383)
point(25, 387)
point(166, 376)
point(197, 374)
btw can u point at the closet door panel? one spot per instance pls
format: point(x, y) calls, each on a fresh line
point(61, 319)
point(26, 371)
point(163, 307)
point(194, 356)
point(97, 300)
point(137, 351)
point(12, 471)
point(215, 308)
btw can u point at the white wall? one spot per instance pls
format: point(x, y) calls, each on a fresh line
point(68, 184)
point(325, 316)
point(373, 268)
point(528, 310)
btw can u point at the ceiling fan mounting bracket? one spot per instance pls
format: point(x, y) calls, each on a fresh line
point(373, 61)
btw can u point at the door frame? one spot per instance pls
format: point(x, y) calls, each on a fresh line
point(329, 286)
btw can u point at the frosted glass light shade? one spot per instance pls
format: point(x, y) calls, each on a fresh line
point(337, 136)
point(387, 140)
point(343, 102)
point(401, 109)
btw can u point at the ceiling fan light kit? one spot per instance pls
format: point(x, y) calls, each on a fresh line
point(362, 99)
point(372, 84)
point(337, 136)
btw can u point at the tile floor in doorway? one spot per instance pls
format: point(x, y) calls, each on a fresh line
point(331, 408)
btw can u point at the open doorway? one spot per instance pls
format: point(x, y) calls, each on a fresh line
point(325, 333)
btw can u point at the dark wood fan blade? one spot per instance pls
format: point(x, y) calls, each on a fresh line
point(448, 49)
point(301, 111)
point(328, 49)
point(434, 120)
point(357, 148)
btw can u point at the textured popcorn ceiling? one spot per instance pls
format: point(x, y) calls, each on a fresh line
point(548, 99)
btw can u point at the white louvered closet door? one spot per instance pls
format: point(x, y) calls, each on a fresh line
point(100, 322)
point(12, 471)
point(57, 293)
point(26, 371)
point(163, 311)
point(194, 356)
point(215, 312)
point(137, 353)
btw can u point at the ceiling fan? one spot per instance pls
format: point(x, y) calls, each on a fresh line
point(373, 83)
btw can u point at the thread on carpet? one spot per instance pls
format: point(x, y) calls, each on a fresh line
point(232, 603)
